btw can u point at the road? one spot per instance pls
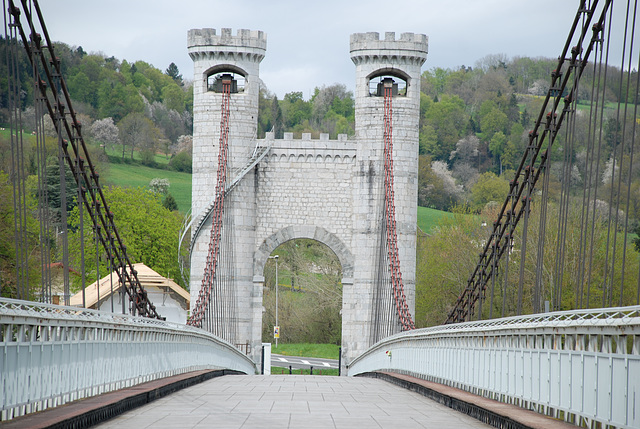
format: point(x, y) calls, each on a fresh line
point(297, 362)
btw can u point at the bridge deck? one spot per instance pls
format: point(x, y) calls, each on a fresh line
point(286, 401)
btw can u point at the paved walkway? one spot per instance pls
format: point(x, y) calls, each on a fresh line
point(293, 401)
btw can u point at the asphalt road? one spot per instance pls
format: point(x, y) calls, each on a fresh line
point(297, 362)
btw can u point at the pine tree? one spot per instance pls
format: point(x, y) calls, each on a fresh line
point(169, 203)
point(173, 72)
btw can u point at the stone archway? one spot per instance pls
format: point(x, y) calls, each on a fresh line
point(304, 231)
point(317, 233)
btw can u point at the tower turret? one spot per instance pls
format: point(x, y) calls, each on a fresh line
point(393, 63)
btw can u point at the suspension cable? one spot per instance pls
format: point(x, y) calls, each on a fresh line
point(390, 214)
point(51, 84)
point(548, 122)
point(201, 307)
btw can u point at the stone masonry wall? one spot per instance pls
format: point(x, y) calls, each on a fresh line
point(306, 182)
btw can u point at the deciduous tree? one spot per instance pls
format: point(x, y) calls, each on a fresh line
point(137, 132)
point(106, 132)
point(147, 228)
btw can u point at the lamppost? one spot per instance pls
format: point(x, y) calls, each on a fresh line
point(276, 328)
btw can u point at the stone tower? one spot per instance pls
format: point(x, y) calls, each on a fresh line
point(401, 60)
point(216, 55)
point(329, 190)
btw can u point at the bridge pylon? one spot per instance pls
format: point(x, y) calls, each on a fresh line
point(218, 57)
point(381, 62)
point(358, 196)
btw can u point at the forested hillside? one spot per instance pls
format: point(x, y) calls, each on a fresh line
point(475, 121)
point(473, 131)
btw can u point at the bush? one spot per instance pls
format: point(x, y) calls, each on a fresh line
point(147, 157)
point(181, 162)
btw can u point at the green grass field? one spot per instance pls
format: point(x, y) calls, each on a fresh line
point(609, 107)
point(428, 218)
point(116, 152)
point(275, 370)
point(125, 175)
point(5, 134)
point(135, 175)
point(326, 351)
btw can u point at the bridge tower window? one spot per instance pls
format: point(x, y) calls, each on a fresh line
point(215, 80)
point(378, 83)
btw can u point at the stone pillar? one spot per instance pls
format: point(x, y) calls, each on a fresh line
point(239, 55)
point(400, 58)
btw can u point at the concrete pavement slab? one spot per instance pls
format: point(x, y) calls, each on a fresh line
point(290, 401)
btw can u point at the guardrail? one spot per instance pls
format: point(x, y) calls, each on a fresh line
point(51, 355)
point(581, 366)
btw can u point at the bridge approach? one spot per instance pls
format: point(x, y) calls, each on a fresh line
point(578, 363)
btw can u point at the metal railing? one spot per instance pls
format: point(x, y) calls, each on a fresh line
point(51, 355)
point(581, 366)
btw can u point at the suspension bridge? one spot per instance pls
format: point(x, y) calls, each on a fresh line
point(500, 355)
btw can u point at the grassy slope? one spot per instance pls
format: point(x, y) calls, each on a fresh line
point(428, 218)
point(117, 152)
point(136, 175)
point(127, 175)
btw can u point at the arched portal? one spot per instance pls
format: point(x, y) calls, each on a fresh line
point(303, 231)
point(307, 305)
point(292, 232)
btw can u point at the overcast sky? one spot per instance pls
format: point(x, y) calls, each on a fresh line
point(308, 42)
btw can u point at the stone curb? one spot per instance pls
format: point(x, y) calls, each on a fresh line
point(489, 411)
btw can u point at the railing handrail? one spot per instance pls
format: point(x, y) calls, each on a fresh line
point(580, 366)
point(625, 319)
point(18, 308)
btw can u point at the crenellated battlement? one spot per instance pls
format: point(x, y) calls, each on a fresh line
point(410, 47)
point(307, 149)
point(243, 38)
point(307, 137)
point(205, 42)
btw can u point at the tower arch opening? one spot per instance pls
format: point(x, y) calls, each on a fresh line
point(340, 269)
point(215, 77)
point(307, 305)
point(396, 79)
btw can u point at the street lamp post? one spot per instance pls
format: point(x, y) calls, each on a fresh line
point(277, 325)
